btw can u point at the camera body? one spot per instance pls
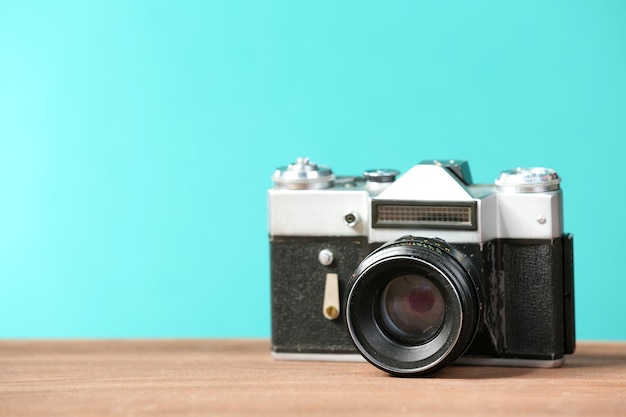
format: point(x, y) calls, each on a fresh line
point(416, 272)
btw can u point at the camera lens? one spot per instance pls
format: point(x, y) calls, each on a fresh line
point(412, 306)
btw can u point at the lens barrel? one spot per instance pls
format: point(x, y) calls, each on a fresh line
point(413, 305)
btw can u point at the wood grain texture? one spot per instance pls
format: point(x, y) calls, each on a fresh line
point(238, 377)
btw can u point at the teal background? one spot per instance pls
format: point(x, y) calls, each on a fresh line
point(137, 140)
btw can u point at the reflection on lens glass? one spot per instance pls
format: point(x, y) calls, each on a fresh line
point(413, 308)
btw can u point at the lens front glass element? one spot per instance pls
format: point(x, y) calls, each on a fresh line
point(413, 308)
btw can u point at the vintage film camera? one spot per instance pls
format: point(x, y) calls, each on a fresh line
point(418, 272)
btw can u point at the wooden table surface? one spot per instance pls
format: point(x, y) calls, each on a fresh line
point(238, 377)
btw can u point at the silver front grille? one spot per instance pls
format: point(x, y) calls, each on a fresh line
point(425, 215)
